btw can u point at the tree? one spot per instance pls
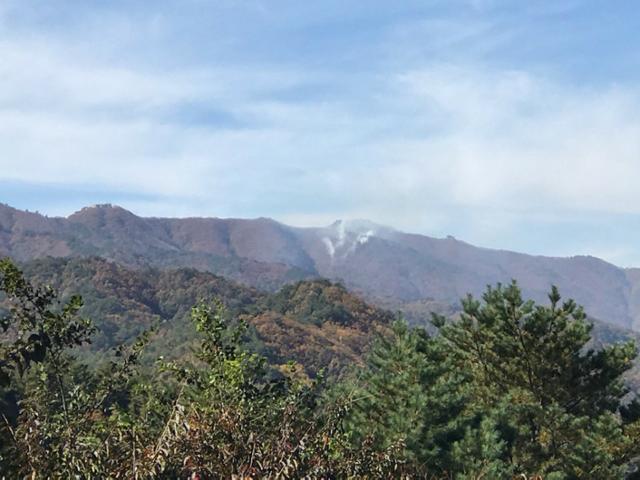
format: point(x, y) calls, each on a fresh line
point(37, 327)
point(221, 414)
point(508, 388)
point(411, 393)
point(390, 396)
point(555, 401)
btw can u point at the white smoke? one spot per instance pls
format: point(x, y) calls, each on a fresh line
point(364, 237)
point(346, 237)
point(331, 249)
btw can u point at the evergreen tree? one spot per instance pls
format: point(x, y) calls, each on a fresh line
point(389, 399)
point(556, 401)
point(480, 454)
point(412, 392)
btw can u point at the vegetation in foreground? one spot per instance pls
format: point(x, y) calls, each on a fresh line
point(508, 389)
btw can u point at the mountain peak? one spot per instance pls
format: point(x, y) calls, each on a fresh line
point(101, 209)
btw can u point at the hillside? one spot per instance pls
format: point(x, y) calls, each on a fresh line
point(317, 324)
point(413, 273)
point(223, 247)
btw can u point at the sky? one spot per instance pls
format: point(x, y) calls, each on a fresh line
point(507, 124)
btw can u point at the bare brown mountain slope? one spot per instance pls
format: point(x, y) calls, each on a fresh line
point(255, 252)
point(392, 268)
point(406, 269)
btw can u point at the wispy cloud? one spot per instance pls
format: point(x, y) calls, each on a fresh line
point(425, 116)
point(511, 138)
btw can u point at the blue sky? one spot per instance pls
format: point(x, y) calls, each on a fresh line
point(507, 124)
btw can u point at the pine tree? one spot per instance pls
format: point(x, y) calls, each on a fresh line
point(480, 454)
point(555, 400)
point(389, 400)
point(412, 392)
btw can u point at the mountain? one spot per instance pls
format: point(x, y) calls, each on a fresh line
point(317, 324)
point(413, 273)
point(407, 270)
point(232, 248)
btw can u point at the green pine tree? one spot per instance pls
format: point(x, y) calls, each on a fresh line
point(480, 454)
point(412, 392)
point(555, 401)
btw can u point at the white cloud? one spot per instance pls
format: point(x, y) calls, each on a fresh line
point(491, 139)
point(67, 120)
point(513, 141)
point(409, 147)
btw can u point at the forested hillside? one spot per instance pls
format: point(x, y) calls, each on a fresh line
point(317, 324)
point(509, 388)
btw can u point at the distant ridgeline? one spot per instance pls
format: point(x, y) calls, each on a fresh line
point(412, 273)
point(136, 273)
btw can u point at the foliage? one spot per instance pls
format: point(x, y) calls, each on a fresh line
point(222, 414)
point(34, 328)
point(555, 401)
point(509, 389)
point(316, 323)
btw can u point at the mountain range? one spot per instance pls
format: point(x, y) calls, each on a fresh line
point(409, 272)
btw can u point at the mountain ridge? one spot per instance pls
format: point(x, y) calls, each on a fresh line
point(386, 266)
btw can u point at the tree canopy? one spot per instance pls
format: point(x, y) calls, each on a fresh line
point(509, 388)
